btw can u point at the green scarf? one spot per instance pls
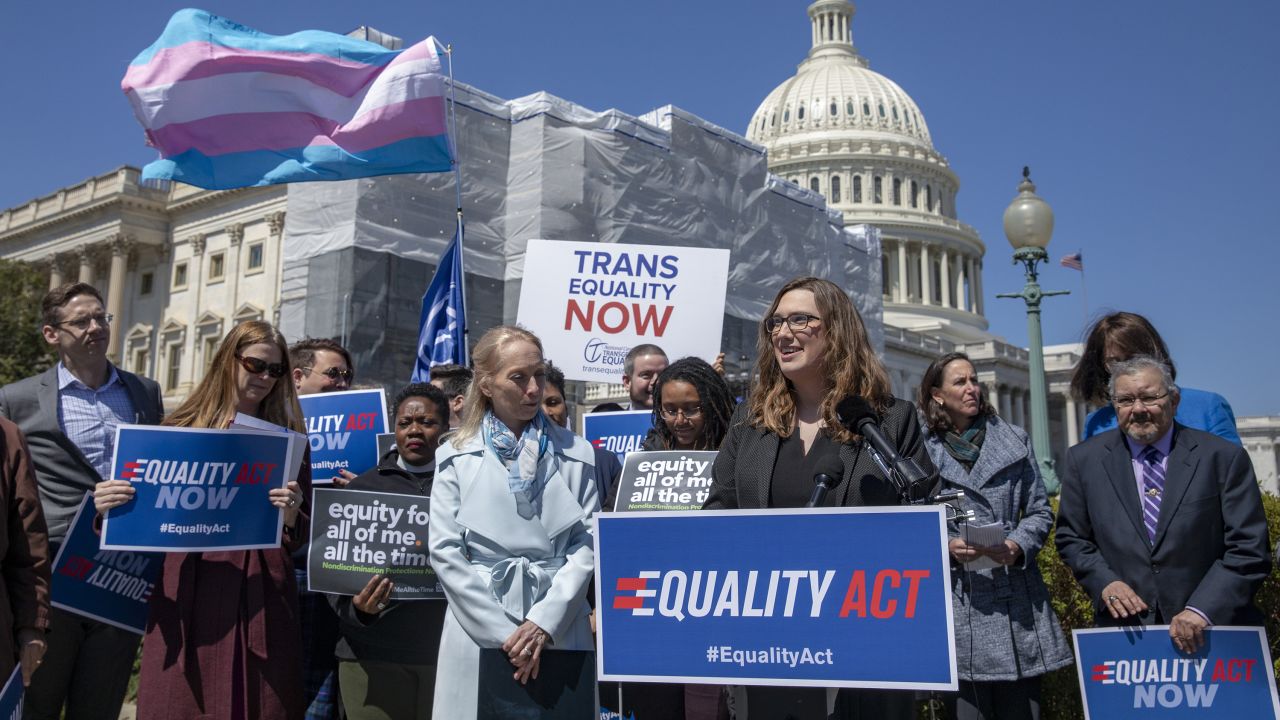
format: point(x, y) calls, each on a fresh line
point(966, 446)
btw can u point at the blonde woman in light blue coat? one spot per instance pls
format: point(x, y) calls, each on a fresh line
point(510, 531)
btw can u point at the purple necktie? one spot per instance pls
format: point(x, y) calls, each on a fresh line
point(1153, 489)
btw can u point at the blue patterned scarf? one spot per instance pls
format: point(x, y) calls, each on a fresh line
point(519, 455)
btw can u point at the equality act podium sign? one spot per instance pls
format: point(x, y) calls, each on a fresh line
point(830, 597)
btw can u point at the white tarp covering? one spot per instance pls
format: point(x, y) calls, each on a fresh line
point(358, 254)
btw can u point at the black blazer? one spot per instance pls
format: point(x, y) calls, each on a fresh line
point(62, 471)
point(1211, 549)
point(743, 470)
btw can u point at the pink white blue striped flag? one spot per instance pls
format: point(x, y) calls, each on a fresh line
point(228, 106)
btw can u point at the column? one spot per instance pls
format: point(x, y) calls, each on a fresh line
point(192, 369)
point(85, 254)
point(971, 295)
point(275, 227)
point(1026, 410)
point(903, 285)
point(945, 279)
point(926, 282)
point(1073, 420)
point(982, 301)
point(235, 236)
point(55, 272)
point(119, 246)
point(1005, 406)
point(993, 395)
point(962, 266)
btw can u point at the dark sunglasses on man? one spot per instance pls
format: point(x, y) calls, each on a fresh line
point(257, 366)
point(332, 373)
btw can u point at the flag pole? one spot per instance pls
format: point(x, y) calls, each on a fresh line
point(1084, 291)
point(457, 186)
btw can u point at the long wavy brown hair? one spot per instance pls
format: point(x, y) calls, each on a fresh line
point(213, 403)
point(850, 364)
point(486, 361)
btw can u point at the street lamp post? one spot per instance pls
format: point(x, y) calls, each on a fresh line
point(1028, 223)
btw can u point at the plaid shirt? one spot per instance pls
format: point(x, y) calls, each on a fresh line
point(89, 417)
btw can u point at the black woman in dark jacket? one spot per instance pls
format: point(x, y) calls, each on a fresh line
point(387, 654)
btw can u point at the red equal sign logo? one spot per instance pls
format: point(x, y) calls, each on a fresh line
point(1105, 673)
point(131, 469)
point(639, 586)
point(76, 567)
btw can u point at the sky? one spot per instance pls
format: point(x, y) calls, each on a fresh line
point(1149, 125)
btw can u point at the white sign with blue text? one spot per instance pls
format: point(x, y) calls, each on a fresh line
point(197, 489)
point(592, 302)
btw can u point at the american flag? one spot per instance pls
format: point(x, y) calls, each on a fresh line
point(1075, 262)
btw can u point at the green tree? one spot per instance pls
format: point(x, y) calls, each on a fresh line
point(23, 351)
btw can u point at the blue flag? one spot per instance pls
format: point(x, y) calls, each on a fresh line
point(442, 333)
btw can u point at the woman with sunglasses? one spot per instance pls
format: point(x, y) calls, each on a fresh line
point(812, 352)
point(222, 638)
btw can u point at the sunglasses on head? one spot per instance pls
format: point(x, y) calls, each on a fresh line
point(257, 366)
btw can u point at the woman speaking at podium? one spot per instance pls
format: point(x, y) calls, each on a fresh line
point(813, 351)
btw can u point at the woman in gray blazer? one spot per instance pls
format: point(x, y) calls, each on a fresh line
point(812, 352)
point(1007, 634)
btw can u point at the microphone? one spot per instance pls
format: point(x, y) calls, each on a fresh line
point(858, 416)
point(830, 470)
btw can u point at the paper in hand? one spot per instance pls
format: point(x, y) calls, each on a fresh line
point(987, 535)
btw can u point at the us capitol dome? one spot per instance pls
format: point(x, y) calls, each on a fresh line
point(843, 130)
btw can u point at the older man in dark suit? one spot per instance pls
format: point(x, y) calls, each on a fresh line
point(1161, 523)
point(69, 415)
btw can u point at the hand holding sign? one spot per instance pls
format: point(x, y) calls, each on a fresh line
point(372, 600)
point(32, 647)
point(111, 493)
point(289, 499)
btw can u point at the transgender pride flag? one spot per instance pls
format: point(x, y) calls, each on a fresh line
point(228, 106)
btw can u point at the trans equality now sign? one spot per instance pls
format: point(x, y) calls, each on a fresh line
point(830, 597)
point(590, 302)
point(197, 489)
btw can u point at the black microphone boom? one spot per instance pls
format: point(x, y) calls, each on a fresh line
point(830, 470)
point(858, 416)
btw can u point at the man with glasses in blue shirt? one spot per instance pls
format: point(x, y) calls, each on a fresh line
point(69, 415)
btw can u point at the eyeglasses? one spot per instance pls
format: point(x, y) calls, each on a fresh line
point(689, 413)
point(795, 321)
point(1126, 401)
point(257, 366)
point(103, 320)
point(333, 373)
